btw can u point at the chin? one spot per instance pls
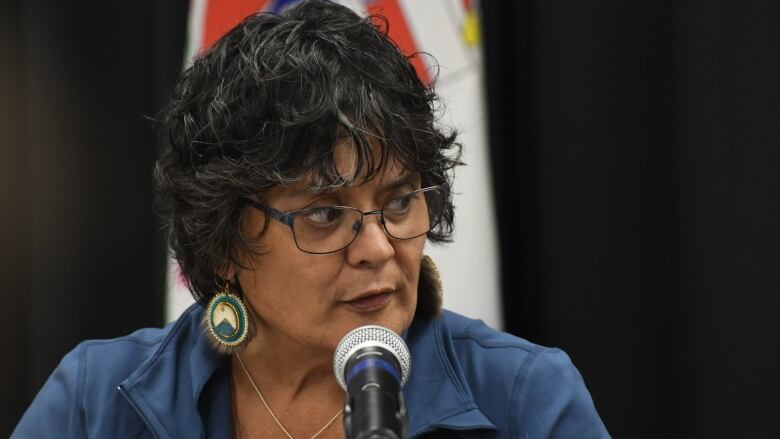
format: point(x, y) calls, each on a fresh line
point(398, 321)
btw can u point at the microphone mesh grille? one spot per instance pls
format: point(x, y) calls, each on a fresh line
point(371, 336)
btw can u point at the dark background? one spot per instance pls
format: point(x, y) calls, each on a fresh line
point(635, 148)
point(82, 255)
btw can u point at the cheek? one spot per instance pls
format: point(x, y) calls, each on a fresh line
point(308, 281)
point(282, 267)
point(409, 256)
point(291, 281)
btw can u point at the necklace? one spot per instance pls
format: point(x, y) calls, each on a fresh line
point(257, 390)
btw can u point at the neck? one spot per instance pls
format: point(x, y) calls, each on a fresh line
point(285, 370)
point(300, 398)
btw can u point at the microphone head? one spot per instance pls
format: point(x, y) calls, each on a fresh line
point(366, 336)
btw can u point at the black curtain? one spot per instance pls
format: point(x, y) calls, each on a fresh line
point(82, 255)
point(636, 148)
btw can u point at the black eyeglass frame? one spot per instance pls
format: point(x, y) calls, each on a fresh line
point(288, 218)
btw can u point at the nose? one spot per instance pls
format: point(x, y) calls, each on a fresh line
point(372, 245)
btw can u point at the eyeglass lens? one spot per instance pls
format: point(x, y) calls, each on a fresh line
point(329, 229)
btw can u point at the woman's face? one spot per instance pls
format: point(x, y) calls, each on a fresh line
point(315, 299)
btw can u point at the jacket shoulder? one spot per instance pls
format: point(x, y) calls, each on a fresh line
point(82, 391)
point(488, 358)
point(106, 363)
point(537, 388)
point(467, 329)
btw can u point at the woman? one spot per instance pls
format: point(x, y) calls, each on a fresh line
point(301, 175)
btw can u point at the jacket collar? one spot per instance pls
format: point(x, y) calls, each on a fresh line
point(166, 388)
point(436, 394)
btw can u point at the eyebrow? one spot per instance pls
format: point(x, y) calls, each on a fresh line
point(408, 179)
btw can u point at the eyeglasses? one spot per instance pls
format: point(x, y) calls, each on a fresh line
point(329, 229)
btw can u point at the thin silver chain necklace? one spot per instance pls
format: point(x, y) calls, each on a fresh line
point(257, 390)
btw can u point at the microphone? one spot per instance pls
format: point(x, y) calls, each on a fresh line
point(371, 364)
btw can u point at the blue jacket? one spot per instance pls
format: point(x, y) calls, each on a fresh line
point(169, 383)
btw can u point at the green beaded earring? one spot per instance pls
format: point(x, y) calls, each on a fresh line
point(228, 321)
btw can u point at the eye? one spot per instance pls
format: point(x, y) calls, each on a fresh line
point(401, 204)
point(323, 216)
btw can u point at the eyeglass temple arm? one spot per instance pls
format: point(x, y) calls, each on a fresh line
point(283, 217)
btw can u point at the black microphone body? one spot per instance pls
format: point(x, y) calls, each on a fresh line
point(372, 364)
point(374, 407)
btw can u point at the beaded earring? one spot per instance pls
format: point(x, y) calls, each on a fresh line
point(429, 289)
point(228, 322)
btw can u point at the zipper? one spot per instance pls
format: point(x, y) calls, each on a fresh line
point(137, 409)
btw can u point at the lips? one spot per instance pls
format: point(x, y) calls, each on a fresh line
point(371, 301)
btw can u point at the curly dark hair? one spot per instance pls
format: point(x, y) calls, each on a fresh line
point(266, 105)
